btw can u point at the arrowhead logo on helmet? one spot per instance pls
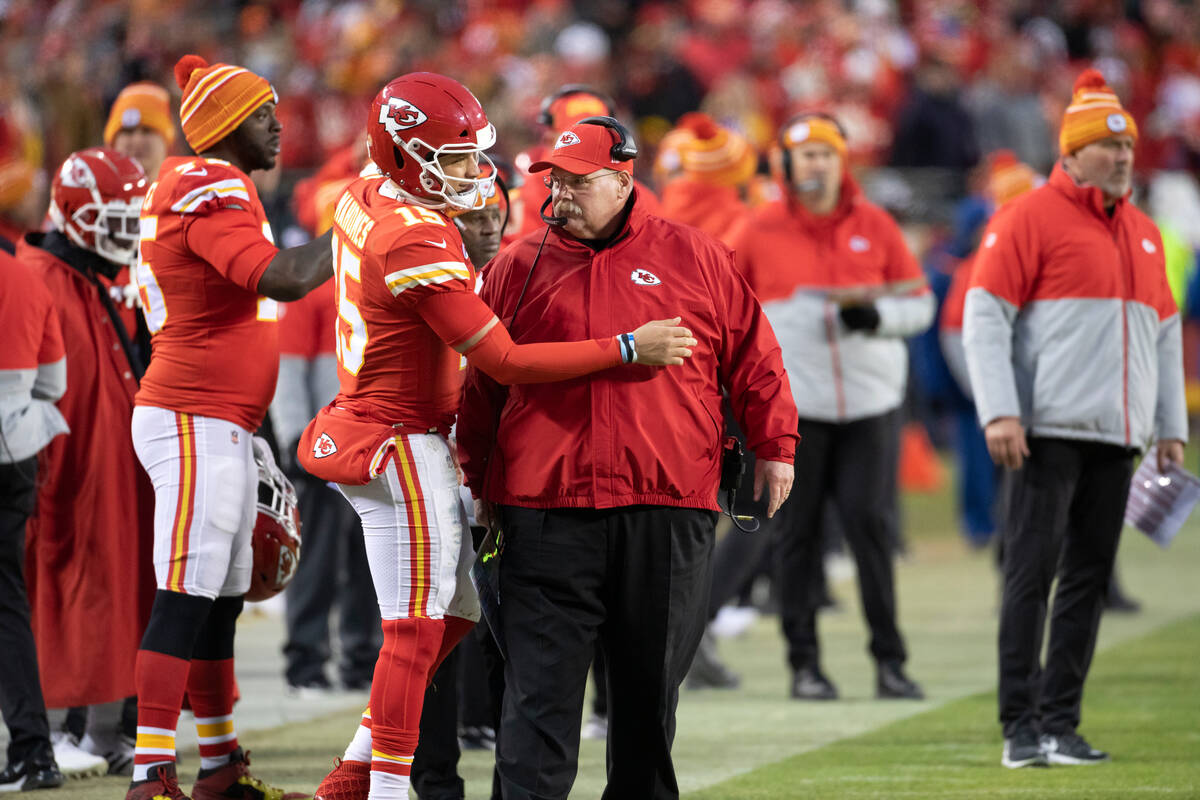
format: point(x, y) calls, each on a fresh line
point(399, 115)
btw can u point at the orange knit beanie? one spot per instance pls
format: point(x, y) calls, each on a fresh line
point(141, 103)
point(1008, 178)
point(1095, 113)
point(216, 99)
point(714, 154)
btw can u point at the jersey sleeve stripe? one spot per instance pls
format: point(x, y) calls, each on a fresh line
point(195, 198)
point(427, 274)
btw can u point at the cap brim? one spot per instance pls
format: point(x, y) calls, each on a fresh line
point(576, 166)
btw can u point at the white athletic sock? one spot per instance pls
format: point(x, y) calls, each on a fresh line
point(388, 786)
point(360, 746)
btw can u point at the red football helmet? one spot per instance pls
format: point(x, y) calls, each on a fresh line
point(276, 538)
point(96, 199)
point(418, 117)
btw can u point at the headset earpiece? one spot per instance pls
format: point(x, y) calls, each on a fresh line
point(625, 148)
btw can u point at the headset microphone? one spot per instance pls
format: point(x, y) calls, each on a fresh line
point(558, 222)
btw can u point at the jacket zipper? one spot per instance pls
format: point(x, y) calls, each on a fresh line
point(1125, 281)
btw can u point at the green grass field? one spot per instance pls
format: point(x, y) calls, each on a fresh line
point(1141, 703)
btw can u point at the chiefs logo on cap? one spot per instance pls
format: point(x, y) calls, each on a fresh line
point(567, 139)
point(324, 446)
point(399, 115)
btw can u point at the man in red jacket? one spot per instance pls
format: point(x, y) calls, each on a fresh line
point(89, 553)
point(607, 484)
point(1074, 350)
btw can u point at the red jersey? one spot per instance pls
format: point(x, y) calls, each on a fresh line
point(391, 259)
point(205, 244)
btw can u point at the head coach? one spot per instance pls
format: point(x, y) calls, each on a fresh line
point(606, 486)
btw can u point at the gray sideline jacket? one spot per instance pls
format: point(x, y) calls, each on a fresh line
point(1070, 324)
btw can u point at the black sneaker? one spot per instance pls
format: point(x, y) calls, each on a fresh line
point(1070, 749)
point(311, 688)
point(707, 671)
point(892, 684)
point(472, 737)
point(27, 776)
point(1023, 750)
point(47, 776)
point(809, 683)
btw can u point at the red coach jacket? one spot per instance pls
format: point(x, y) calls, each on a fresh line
point(1069, 321)
point(634, 434)
point(89, 549)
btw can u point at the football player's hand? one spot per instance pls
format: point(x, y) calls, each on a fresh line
point(663, 343)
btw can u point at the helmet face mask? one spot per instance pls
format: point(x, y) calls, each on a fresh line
point(96, 199)
point(276, 537)
point(416, 120)
point(107, 229)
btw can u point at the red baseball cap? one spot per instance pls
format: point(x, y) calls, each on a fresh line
point(581, 149)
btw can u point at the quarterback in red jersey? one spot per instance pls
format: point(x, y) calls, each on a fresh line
point(209, 278)
point(408, 313)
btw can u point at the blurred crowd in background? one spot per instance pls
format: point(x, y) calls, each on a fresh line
point(925, 89)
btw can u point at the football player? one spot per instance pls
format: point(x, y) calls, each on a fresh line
point(408, 312)
point(209, 278)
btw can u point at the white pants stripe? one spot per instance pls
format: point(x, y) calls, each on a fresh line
point(416, 534)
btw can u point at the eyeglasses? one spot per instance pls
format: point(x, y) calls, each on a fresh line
point(574, 183)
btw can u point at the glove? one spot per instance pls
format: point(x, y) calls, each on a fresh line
point(861, 317)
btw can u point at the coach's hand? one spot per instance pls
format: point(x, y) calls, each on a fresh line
point(485, 513)
point(663, 343)
point(1006, 442)
point(776, 476)
point(1170, 451)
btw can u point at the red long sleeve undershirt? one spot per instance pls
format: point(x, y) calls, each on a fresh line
point(458, 316)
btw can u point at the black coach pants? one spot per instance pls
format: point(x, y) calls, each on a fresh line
point(333, 570)
point(849, 462)
point(21, 702)
point(1066, 506)
point(634, 578)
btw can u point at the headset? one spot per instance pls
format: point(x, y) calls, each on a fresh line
point(625, 148)
point(545, 117)
point(785, 158)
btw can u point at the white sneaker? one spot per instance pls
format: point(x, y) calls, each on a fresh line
point(73, 762)
point(595, 728)
point(733, 621)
